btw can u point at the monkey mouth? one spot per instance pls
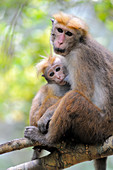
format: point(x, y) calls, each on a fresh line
point(59, 50)
point(62, 82)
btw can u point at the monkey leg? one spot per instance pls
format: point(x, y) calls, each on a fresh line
point(37, 133)
point(76, 113)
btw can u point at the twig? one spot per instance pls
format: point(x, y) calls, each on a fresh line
point(16, 144)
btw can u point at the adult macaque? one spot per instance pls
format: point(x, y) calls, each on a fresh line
point(88, 107)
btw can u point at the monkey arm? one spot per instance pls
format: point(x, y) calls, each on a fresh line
point(74, 112)
point(34, 111)
point(36, 105)
point(48, 102)
point(43, 122)
point(41, 102)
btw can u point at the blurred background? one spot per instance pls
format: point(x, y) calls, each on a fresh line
point(24, 35)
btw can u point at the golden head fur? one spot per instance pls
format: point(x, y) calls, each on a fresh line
point(71, 21)
point(44, 63)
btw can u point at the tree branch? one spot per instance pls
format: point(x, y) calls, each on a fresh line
point(16, 144)
point(64, 156)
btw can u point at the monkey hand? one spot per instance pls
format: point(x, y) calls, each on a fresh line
point(43, 123)
point(32, 133)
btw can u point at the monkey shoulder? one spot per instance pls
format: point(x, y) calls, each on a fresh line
point(37, 102)
point(39, 98)
point(42, 93)
point(59, 90)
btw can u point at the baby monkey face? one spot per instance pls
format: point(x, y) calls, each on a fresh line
point(56, 73)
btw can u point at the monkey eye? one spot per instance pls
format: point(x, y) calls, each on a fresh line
point(51, 74)
point(57, 69)
point(60, 30)
point(69, 33)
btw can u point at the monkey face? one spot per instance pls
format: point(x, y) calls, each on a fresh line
point(56, 73)
point(63, 39)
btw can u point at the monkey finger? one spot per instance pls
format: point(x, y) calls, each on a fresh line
point(30, 127)
point(42, 128)
point(30, 131)
point(43, 125)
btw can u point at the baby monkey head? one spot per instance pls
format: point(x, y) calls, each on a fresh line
point(53, 70)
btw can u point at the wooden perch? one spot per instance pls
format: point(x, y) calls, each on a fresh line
point(64, 156)
point(16, 144)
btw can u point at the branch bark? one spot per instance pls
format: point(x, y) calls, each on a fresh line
point(64, 156)
point(16, 144)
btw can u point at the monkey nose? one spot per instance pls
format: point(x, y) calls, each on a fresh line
point(60, 42)
point(59, 77)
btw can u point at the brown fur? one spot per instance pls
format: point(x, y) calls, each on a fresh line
point(46, 62)
point(88, 108)
point(42, 101)
point(50, 93)
point(71, 21)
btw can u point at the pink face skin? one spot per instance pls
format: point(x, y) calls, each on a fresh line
point(56, 72)
point(62, 35)
point(63, 39)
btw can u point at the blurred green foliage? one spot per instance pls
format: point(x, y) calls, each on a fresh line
point(104, 10)
point(24, 35)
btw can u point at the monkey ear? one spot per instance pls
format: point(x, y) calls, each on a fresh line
point(52, 20)
point(46, 78)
